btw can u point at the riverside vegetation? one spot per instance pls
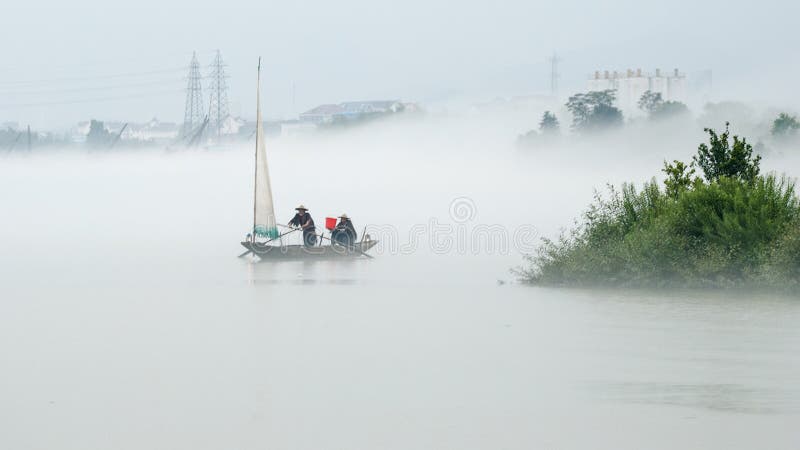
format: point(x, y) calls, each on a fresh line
point(727, 225)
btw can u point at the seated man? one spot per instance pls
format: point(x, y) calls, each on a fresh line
point(344, 233)
point(303, 220)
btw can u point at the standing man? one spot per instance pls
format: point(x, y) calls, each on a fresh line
point(303, 220)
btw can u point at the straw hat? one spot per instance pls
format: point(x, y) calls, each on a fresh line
point(343, 216)
point(301, 207)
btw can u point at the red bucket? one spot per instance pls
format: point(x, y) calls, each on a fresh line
point(330, 223)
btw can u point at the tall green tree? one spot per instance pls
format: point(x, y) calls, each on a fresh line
point(785, 126)
point(594, 111)
point(650, 101)
point(669, 109)
point(98, 136)
point(657, 108)
point(721, 158)
point(549, 123)
point(680, 178)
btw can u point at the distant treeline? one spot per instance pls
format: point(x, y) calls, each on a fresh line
point(595, 112)
point(19, 140)
point(365, 118)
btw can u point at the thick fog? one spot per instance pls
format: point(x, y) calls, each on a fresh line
point(127, 321)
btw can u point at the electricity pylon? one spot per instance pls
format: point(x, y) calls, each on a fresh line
point(554, 60)
point(193, 111)
point(218, 107)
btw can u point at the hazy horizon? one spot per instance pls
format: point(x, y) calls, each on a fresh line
point(82, 61)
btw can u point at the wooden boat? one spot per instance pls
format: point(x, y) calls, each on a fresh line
point(265, 225)
point(301, 252)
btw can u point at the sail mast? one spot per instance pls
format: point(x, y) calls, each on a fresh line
point(264, 223)
point(255, 153)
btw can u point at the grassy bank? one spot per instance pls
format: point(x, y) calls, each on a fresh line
point(730, 227)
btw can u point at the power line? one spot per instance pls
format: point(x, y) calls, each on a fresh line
point(90, 100)
point(94, 88)
point(97, 77)
point(111, 59)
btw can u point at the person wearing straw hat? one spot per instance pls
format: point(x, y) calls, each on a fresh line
point(345, 232)
point(304, 221)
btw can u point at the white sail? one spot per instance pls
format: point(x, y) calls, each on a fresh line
point(264, 223)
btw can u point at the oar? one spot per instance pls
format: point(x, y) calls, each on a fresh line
point(267, 242)
point(282, 235)
point(353, 248)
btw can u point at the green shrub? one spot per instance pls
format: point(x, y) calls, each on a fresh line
point(783, 266)
point(731, 229)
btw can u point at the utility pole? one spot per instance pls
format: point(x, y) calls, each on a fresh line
point(13, 144)
point(195, 140)
point(117, 137)
point(294, 98)
point(218, 106)
point(29, 138)
point(193, 111)
point(554, 60)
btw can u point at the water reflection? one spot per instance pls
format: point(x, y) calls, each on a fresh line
point(712, 396)
point(302, 273)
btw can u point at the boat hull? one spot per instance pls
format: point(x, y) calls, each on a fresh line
point(301, 252)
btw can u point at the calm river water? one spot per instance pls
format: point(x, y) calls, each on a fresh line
point(127, 322)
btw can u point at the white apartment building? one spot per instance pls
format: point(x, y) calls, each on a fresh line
point(630, 85)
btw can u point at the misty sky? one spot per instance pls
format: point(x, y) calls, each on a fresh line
point(70, 61)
